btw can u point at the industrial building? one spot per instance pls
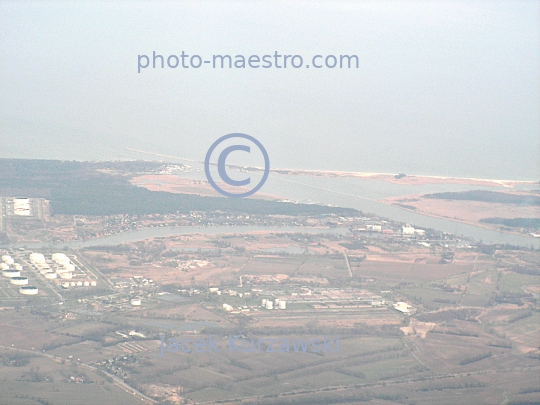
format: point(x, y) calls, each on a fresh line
point(21, 207)
point(136, 302)
point(407, 230)
point(403, 307)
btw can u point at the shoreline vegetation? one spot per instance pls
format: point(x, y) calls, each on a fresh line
point(103, 188)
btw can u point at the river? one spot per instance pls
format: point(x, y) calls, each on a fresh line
point(355, 193)
point(161, 232)
point(363, 195)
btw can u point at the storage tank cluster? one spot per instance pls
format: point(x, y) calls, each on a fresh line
point(277, 303)
point(62, 260)
point(79, 284)
point(64, 269)
point(38, 260)
point(12, 270)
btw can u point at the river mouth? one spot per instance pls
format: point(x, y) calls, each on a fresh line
point(366, 195)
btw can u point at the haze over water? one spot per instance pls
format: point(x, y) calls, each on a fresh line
point(441, 89)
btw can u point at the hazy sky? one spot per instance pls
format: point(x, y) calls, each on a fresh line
point(447, 88)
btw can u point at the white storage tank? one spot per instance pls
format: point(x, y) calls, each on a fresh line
point(17, 266)
point(73, 283)
point(282, 304)
point(37, 258)
point(50, 275)
point(264, 301)
point(58, 257)
point(79, 284)
point(276, 302)
point(269, 305)
point(4, 266)
point(136, 302)
point(93, 283)
point(28, 290)
point(69, 266)
point(66, 276)
point(8, 259)
point(87, 283)
point(18, 280)
point(11, 273)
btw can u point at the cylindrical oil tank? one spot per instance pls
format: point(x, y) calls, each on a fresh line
point(87, 283)
point(8, 259)
point(51, 275)
point(93, 283)
point(37, 258)
point(18, 280)
point(264, 301)
point(79, 284)
point(269, 305)
point(58, 257)
point(69, 266)
point(282, 304)
point(4, 266)
point(17, 266)
point(136, 302)
point(66, 276)
point(11, 273)
point(28, 290)
point(276, 302)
